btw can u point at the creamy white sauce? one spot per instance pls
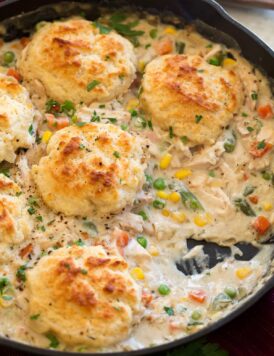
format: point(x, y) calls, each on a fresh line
point(216, 180)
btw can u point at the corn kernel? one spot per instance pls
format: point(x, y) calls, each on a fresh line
point(137, 273)
point(161, 194)
point(170, 30)
point(179, 217)
point(174, 197)
point(153, 251)
point(183, 173)
point(141, 66)
point(165, 212)
point(243, 272)
point(132, 104)
point(165, 161)
point(46, 136)
point(229, 63)
point(184, 299)
point(267, 206)
point(200, 220)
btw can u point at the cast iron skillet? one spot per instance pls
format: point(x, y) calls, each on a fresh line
point(207, 16)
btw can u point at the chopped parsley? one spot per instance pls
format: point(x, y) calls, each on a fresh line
point(113, 120)
point(184, 139)
point(54, 342)
point(31, 130)
point(116, 154)
point(169, 311)
point(4, 282)
point(254, 96)
point(250, 129)
point(211, 174)
point(180, 47)
point(198, 118)
point(80, 124)
point(21, 273)
point(261, 145)
point(171, 133)
point(34, 316)
point(244, 114)
point(95, 117)
point(103, 29)
point(92, 85)
point(5, 171)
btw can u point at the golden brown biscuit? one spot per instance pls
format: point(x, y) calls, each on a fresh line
point(84, 295)
point(16, 116)
point(14, 223)
point(73, 61)
point(193, 97)
point(91, 170)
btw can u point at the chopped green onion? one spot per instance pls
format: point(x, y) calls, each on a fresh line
point(184, 139)
point(190, 200)
point(261, 145)
point(244, 207)
point(92, 85)
point(221, 301)
point(249, 189)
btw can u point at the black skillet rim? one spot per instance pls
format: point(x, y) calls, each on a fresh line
point(269, 284)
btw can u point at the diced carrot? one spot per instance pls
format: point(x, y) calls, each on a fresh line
point(261, 224)
point(24, 41)
point(26, 250)
point(146, 298)
point(259, 152)
point(265, 111)
point(197, 295)
point(55, 123)
point(245, 176)
point(254, 199)
point(62, 122)
point(122, 239)
point(164, 46)
point(14, 73)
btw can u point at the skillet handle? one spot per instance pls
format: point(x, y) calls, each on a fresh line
point(267, 4)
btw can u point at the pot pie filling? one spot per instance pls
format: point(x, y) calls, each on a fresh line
point(120, 139)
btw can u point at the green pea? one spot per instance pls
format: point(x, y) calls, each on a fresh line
point(142, 241)
point(8, 57)
point(159, 184)
point(231, 292)
point(163, 289)
point(229, 146)
point(196, 315)
point(158, 204)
